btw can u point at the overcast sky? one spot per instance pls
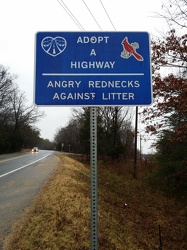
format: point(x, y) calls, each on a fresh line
point(21, 19)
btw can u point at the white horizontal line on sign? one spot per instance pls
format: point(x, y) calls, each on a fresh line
point(93, 74)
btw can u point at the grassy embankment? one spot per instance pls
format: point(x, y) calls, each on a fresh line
point(130, 212)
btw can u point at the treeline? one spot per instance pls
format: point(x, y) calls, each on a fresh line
point(17, 120)
point(114, 128)
point(167, 117)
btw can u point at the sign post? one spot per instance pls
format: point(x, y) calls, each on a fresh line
point(93, 69)
point(93, 163)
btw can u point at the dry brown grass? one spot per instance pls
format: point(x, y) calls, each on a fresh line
point(59, 218)
point(129, 213)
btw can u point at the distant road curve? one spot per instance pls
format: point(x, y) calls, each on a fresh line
point(21, 177)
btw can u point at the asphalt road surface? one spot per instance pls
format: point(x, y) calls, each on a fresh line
point(21, 177)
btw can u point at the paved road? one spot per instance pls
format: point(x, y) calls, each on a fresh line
point(21, 177)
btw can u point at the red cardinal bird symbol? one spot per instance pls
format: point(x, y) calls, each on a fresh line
point(130, 49)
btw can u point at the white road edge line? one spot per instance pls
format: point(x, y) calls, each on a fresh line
point(17, 169)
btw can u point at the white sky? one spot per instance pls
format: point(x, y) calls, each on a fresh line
point(21, 19)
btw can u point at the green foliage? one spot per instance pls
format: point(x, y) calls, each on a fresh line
point(45, 144)
point(171, 179)
point(171, 175)
point(5, 144)
point(116, 151)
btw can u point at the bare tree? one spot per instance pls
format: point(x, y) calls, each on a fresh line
point(21, 113)
point(7, 87)
point(16, 118)
point(175, 13)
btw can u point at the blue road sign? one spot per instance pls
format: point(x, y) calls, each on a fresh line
point(92, 69)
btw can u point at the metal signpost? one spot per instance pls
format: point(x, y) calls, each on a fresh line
point(93, 69)
point(93, 161)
